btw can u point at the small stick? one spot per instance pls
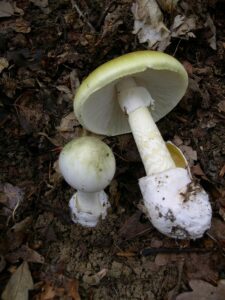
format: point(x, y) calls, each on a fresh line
point(152, 251)
point(74, 5)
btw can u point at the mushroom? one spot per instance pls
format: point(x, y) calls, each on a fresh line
point(131, 93)
point(88, 165)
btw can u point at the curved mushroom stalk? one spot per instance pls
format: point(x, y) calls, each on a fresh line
point(134, 101)
point(176, 206)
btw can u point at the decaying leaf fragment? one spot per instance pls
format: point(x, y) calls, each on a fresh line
point(19, 284)
point(148, 22)
point(203, 290)
point(11, 197)
point(184, 18)
point(3, 63)
point(9, 8)
point(40, 3)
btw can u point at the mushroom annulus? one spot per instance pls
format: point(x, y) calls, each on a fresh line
point(129, 94)
point(88, 165)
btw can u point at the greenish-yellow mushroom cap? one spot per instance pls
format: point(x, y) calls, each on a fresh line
point(96, 105)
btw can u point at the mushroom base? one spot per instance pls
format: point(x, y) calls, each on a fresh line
point(89, 217)
point(176, 206)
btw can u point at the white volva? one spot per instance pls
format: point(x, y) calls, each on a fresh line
point(176, 206)
point(86, 208)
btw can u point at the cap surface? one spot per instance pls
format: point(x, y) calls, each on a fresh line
point(87, 164)
point(96, 105)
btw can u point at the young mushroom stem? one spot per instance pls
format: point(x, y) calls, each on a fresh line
point(134, 100)
point(88, 165)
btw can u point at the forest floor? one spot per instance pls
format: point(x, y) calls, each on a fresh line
point(45, 51)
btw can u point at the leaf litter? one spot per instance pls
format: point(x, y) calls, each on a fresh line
point(46, 49)
point(19, 284)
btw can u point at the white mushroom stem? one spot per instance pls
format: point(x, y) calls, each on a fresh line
point(177, 206)
point(89, 202)
point(87, 208)
point(134, 100)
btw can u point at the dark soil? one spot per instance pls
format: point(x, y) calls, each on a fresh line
point(36, 91)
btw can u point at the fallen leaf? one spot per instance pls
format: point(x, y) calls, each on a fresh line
point(2, 263)
point(212, 39)
point(9, 8)
point(203, 290)
point(201, 266)
point(168, 5)
point(67, 126)
point(25, 253)
point(19, 284)
point(58, 286)
point(11, 197)
point(48, 292)
point(221, 106)
point(64, 89)
point(222, 171)
point(3, 63)
point(217, 230)
point(189, 153)
point(72, 288)
point(40, 3)
point(96, 278)
point(16, 234)
point(133, 227)
point(148, 23)
point(6, 9)
point(22, 26)
point(183, 26)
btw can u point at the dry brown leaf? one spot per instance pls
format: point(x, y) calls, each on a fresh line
point(133, 227)
point(22, 26)
point(168, 5)
point(189, 153)
point(221, 106)
point(40, 3)
point(27, 254)
point(2, 263)
point(62, 288)
point(212, 39)
point(6, 9)
point(72, 287)
point(17, 233)
point(204, 291)
point(96, 278)
point(9, 8)
point(201, 266)
point(148, 24)
point(3, 63)
point(11, 197)
point(48, 293)
point(217, 230)
point(68, 123)
point(19, 284)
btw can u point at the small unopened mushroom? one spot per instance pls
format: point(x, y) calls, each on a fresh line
point(131, 93)
point(88, 165)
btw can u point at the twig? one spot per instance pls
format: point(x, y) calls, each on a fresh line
point(152, 251)
point(81, 14)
